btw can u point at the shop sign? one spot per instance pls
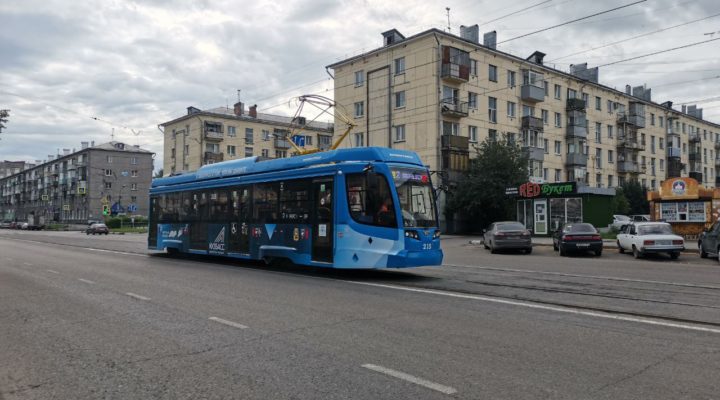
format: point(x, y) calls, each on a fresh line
point(530, 189)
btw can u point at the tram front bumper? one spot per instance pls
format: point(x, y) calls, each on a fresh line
point(417, 258)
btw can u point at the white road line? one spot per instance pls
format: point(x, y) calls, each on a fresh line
point(137, 296)
point(86, 281)
point(52, 271)
point(28, 264)
point(608, 278)
point(229, 323)
point(568, 310)
point(114, 252)
point(412, 379)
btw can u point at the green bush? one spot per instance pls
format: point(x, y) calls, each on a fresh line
point(117, 222)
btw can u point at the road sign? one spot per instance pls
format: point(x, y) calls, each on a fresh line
point(66, 207)
point(132, 207)
point(299, 140)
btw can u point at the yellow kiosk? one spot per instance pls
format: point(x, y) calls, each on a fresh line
point(688, 206)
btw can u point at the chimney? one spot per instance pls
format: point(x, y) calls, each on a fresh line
point(192, 110)
point(667, 104)
point(536, 57)
point(471, 33)
point(391, 37)
point(253, 111)
point(83, 145)
point(239, 108)
point(628, 90)
point(684, 109)
point(490, 39)
point(92, 143)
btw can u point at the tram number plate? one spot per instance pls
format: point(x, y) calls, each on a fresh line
point(427, 246)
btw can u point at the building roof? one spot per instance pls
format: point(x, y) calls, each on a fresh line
point(434, 31)
point(117, 146)
point(262, 118)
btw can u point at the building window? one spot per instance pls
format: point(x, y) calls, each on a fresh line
point(108, 185)
point(546, 146)
point(492, 73)
point(231, 151)
point(492, 134)
point(451, 128)
point(571, 93)
point(528, 111)
point(265, 153)
point(308, 140)
point(187, 150)
point(545, 174)
point(231, 131)
point(280, 153)
point(492, 109)
point(359, 109)
point(400, 133)
point(108, 172)
point(661, 121)
point(134, 173)
point(472, 100)
point(511, 78)
point(558, 175)
point(598, 103)
point(558, 147)
point(109, 159)
point(598, 180)
point(359, 78)
point(652, 144)
point(511, 109)
point(610, 181)
point(546, 86)
point(558, 92)
point(400, 99)
point(399, 65)
point(358, 139)
point(662, 164)
point(212, 147)
point(133, 199)
point(545, 116)
point(661, 143)
point(248, 152)
point(473, 67)
point(609, 106)
point(610, 131)
point(586, 99)
point(558, 120)
point(472, 133)
point(598, 132)
point(610, 157)
point(265, 135)
point(652, 119)
point(133, 186)
point(249, 135)
point(598, 158)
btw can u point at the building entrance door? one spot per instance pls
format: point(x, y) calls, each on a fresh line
point(540, 217)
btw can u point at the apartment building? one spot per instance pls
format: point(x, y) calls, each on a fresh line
point(438, 94)
point(219, 134)
point(76, 186)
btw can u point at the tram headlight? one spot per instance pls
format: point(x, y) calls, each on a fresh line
point(412, 234)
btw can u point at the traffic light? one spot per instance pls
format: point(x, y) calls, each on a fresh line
point(106, 209)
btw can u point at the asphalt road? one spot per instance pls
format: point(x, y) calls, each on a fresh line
point(97, 317)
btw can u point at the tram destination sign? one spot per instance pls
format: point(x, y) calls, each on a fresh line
point(531, 189)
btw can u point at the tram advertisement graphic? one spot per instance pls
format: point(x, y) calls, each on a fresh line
point(216, 239)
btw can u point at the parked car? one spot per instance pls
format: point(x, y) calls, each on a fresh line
point(650, 237)
point(640, 218)
point(5, 224)
point(577, 237)
point(97, 229)
point(619, 221)
point(507, 235)
point(24, 226)
point(709, 241)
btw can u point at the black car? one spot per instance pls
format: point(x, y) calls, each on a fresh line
point(507, 235)
point(709, 242)
point(97, 229)
point(577, 237)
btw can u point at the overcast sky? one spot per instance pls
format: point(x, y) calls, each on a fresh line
point(134, 65)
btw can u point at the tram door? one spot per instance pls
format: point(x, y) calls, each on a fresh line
point(239, 239)
point(322, 229)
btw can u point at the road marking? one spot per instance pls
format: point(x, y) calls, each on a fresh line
point(412, 379)
point(609, 278)
point(229, 323)
point(114, 252)
point(28, 264)
point(137, 296)
point(568, 310)
point(86, 281)
point(52, 271)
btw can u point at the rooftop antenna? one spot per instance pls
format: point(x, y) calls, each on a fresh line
point(448, 16)
point(112, 135)
point(239, 90)
point(136, 136)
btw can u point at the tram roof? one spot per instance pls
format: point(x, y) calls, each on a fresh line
point(257, 165)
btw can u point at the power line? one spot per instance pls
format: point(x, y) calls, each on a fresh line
point(570, 22)
point(635, 37)
point(516, 12)
point(659, 52)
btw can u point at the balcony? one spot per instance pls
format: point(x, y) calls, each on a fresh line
point(717, 162)
point(577, 130)
point(575, 105)
point(697, 175)
point(673, 152)
point(453, 107)
point(717, 145)
point(576, 159)
point(534, 153)
point(213, 136)
point(532, 93)
point(455, 142)
point(694, 137)
point(214, 157)
point(455, 72)
point(631, 119)
point(282, 143)
point(630, 143)
point(695, 157)
point(532, 123)
point(629, 167)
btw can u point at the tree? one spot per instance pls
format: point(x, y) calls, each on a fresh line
point(480, 195)
point(620, 204)
point(636, 196)
point(159, 173)
point(4, 114)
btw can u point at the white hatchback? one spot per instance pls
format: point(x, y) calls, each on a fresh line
point(650, 237)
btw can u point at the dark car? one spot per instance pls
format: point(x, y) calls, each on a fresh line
point(577, 237)
point(507, 235)
point(709, 242)
point(97, 229)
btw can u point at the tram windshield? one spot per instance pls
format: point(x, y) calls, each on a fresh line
point(415, 192)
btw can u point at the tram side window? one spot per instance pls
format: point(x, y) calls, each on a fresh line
point(265, 202)
point(155, 210)
point(218, 206)
point(198, 210)
point(240, 203)
point(370, 200)
point(295, 201)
